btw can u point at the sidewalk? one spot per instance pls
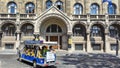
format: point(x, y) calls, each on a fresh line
point(6, 52)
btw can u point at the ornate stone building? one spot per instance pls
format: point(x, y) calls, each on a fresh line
point(77, 25)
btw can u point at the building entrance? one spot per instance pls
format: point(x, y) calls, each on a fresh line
point(57, 39)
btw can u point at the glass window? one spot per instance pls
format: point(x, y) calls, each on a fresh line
point(48, 4)
point(96, 46)
point(78, 30)
point(9, 46)
point(30, 7)
point(96, 31)
point(113, 47)
point(12, 7)
point(94, 9)
point(59, 5)
point(27, 30)
point(8, 29)
point(111, 9)
point(78, 9)
point(54, 28)
point(78, 46)
point(113, 31)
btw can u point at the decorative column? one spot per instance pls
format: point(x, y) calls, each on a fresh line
point(107, 45)
point(89, 48)
point(18, 30)
point(106, 41)
point(18, 36)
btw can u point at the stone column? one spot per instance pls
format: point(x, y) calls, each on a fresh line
point(107, 45)
point(17, 39)
point(89, 48)
point(18, 36)
point(17, 31)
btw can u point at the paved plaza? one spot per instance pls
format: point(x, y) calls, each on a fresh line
point(67, 60)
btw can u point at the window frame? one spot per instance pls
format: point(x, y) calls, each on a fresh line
point(78, 9)
point(30, 8)
point(59, 4)
point(112, 9)
point(11, 5)
point(48, 2)
point(94, 9)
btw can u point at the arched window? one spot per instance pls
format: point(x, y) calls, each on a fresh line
point(48, 4)
point(12, 7)
point(78, 9)
point(78, 30)
point(59, 5)
point(94, 9)
point(96, 31)
point(30, 8)
point(113, 31)
point(54, 29)
point(27, 29)
point(112, 9)
point(8, 29)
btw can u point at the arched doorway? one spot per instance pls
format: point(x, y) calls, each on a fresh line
point(8, 36)
point(97, 37)
point(79, 33)
point(54, 30)
point(114, 33)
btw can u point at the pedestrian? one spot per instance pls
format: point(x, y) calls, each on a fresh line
point(44, 51)
point(18, 52)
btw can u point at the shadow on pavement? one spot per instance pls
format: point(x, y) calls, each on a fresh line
point(92, 60)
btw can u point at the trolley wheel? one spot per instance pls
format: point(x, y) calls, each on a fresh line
point(34, 64)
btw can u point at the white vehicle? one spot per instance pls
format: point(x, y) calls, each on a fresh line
point(32, 52)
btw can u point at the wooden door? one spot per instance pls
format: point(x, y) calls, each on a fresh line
point(54, 39)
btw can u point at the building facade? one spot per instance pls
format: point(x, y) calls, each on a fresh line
point(76, 25)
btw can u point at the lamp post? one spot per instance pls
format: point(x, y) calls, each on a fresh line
point(117, 46)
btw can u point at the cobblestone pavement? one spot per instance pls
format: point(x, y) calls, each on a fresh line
point(68, 61)
point(92, 60)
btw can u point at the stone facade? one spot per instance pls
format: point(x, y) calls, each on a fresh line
point(60, 26)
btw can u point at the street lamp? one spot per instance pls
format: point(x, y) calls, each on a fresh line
point(117, 46)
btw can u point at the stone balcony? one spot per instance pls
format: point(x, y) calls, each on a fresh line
point(96, 17)
point(74, 17)
point(15, 16)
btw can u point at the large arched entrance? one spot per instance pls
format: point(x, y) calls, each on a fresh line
point(114, 33)
point(79, 35)
point(97, 37)
point(54, 29)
